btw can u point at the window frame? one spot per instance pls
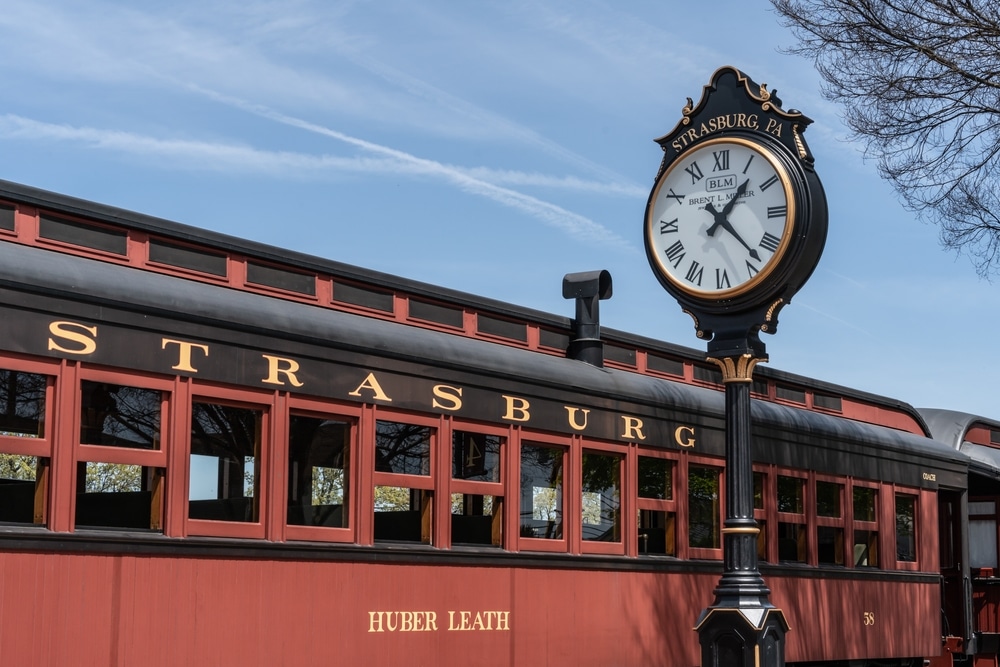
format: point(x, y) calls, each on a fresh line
point(803, 519)
point(151, 458)
point(871, 526)
point(47, 494)
point(684, 548)
point(832, 522)
point(40, 447)
point(430, 524)
point(564, 443)
point(243, 399)
point(915, 494)
point(762, 515)
point(624, 492)
point(668, 507)
point(306, 407)
point(452, 485)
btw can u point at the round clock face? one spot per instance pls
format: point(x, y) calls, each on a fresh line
point(720, 218)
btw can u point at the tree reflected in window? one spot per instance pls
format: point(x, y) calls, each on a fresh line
point(541, 492)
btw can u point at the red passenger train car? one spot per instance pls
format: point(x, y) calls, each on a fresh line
point(217, 452)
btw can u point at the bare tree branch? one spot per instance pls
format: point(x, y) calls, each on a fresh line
point(919, 81)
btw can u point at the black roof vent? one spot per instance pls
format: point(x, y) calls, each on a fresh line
point(589, 289)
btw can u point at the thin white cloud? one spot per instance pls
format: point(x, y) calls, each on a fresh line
point(206, 155)
point(193, 154)
point(578, 226)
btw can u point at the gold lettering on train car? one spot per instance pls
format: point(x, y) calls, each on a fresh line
point(451, 395)
point(88, 344)
point(632, 428)
point(517, 409)
point(402, 621)
point(371, 383)
point(483, 620)
point(684, 436)
point(572, 417)
point(274, 369)
point(930, 477)
point(184, 353)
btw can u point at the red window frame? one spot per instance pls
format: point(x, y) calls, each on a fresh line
point(668, 506)
point(873, 526)
point(236, 398)
point(319, 409)
point(568, 525)
point(832, 522)
point(624, 493)
point(451, 485)
point(684, 548)
point(916, 495)
point(47, 493)
point(762, 515)
point(370, 478)
point(152, 458)
point(795, 517)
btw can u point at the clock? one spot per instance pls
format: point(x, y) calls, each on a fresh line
point(721, 217)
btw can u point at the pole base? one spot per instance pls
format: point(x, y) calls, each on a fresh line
point(745, 636)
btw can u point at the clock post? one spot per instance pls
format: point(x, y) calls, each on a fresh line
point(735, 225)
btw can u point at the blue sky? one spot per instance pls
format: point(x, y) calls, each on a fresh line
point(490, 147)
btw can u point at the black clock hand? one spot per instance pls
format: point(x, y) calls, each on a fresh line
point(732, 202)
point(721, 220)
point(726, 210)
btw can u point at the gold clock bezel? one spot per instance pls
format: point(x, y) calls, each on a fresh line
point(784, 176)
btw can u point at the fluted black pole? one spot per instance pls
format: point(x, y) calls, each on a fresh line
point(741, 628)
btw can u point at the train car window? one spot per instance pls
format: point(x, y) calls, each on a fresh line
point(656, 478)
point(792, 532)
point(830, 526)
point(401, 448)
point(7, 217)
point(657, 518)
point(476, 456)
point(19, 486)
point(119, 491)
point(601, 500)
point(495, 326)
point(906, 531)
point(23, 471)
point(542, 491)
point(319, 471)
point(476, 505)
point(184, 257)
point(866, 553)
point(403, 487)
point(272, 276)
point(476, 519)
point(96, 237)
point(225, 463)
point(119, 416)
point(760, 514)
point(356, 295)
point(22, 404)
point(983, 534)
point(403, 514)
point(118, 496)
point(704, 514)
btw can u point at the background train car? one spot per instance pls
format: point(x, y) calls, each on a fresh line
point(217, 452)
point(971, 585)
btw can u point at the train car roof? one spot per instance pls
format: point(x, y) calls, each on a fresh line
point(968, 434)
point(858, 404)
point(27, 273)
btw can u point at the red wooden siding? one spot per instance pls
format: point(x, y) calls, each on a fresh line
point(96, 610)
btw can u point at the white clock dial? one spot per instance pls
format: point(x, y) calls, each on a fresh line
point(720, 217)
